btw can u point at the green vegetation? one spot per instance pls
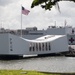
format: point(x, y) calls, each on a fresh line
point(23, 72)
point(47, 4)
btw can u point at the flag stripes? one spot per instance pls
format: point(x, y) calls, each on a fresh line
point(25, 11)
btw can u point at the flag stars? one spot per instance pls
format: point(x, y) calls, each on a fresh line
point(22, 8)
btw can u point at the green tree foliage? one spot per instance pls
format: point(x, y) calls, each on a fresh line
point(47, 4)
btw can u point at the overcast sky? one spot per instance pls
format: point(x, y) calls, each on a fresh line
point(10, 15)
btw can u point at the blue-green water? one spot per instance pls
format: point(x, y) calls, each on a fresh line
point(50, 64)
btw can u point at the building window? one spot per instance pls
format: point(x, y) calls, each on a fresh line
point(10, 39)
point(39, 46)
point(46, 47)
point(10, 42)
point(11, 46)
point(33, 47)
point(49, 46)
point(30, 46)
point(11, 49)
point(43, 46)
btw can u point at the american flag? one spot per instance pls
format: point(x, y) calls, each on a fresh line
point(25, 11)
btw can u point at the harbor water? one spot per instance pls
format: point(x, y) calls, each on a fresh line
point(47, 64)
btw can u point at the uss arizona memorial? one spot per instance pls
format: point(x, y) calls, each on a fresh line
point(52, 40)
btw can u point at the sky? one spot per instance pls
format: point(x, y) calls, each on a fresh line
point(10, 15)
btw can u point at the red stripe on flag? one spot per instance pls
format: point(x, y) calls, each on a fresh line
point(25, 11)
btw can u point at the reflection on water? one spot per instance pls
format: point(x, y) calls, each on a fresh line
point(51, 64)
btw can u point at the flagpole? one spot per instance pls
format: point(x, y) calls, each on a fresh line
point(21, 20)
point(65, 22)
point(25, 12)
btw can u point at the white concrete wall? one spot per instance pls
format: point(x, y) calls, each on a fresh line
point(4, 43)
point(19, 46)
point(68, 30)
point(59, 45)
point(55, 31)
point(14, 45)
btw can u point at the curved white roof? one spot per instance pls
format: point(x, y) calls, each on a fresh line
point(47, 38)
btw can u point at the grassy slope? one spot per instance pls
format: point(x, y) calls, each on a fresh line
point(22, 72)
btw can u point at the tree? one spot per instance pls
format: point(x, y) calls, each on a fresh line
point(47, 4)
